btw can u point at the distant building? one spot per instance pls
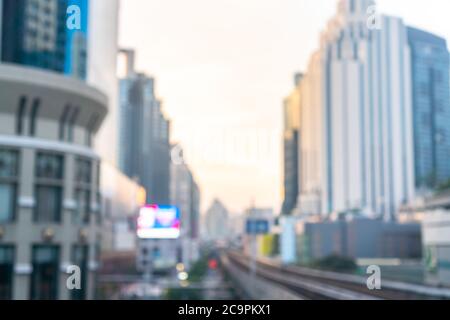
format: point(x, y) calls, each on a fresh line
point(436, 241)
point(292, 112)
point(261, 213)
point(34, 33)
point(185, 194)
point(431, 105)
point(358, 238)
point(216, 222)
point(357, 123)
point(265, 243)
point(260, 244)
point(144, 149)
point(122, 198)
point(102, 71)
point(236, 224)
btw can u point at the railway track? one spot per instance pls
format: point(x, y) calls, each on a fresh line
point(320, 285)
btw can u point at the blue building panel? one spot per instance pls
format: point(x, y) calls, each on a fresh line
point(431, 108)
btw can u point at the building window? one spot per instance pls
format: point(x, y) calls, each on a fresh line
point(83, 178)
point(72, 121)
point(6, 272)
point(80, 259)
point(8, 185)
point(8, 196)
point(49, 187)
point(100, 207)
point(20, 115)
point(48, 208)
point(34, 115)
point(83, 173)
point(49, 166)
point(62, 122)
point(44, 279)
point(91, 128)
point(98, 193)
point(82, 214)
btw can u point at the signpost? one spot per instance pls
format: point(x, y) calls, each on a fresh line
point(257, 226)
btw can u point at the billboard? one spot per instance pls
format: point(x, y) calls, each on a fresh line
point(158, 222)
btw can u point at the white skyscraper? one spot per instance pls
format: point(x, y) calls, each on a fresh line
point(357, 150)
point(102, 62)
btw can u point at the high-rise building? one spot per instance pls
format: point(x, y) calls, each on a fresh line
point(185, 195)
point(35, 33)
point(49, 182)
point(357, 152)
point(431, 105)
point(102, 70)
point(50, 217)
point(292, 105)
point(216, 222)
point(144, 149)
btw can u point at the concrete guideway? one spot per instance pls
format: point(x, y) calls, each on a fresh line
point(276, 283)
point(257, 288)
point(317, 284)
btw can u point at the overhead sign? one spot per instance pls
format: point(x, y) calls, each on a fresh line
point(158, 222)
point(257, 226)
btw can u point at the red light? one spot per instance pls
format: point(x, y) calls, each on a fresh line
point(212, 264)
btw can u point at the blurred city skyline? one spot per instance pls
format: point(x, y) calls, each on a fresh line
point(207, 65)
point(154, 166)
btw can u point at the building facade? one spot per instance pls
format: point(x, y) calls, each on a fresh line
point(144, 148)
point(436, 242)
point(102, 70)
point(216, 222)
point(49, 183)
point(185, 195)
point(431, 105)
point(292, 106)
point(35, 33)
point(358, 238)
point(357, 141)
point(122, 198)
point(50, 173)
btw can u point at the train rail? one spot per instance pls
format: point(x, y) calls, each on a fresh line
point(321, 285)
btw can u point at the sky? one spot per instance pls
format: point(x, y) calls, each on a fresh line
point(222, 70)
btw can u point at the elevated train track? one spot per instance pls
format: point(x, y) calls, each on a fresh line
point(320, 285)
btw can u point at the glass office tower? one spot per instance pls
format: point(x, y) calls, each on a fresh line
point(34, 33)
point(431, 103)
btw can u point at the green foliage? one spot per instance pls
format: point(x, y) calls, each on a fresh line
point(444, 186)
point(184, 294)
point(196, 274)
point(198, 270)
point(336, 263)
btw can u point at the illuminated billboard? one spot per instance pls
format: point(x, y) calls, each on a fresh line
point(158, 222)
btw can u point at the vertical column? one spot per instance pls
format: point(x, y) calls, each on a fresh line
point(69, 231)
point(1, 25)
point(26, 202)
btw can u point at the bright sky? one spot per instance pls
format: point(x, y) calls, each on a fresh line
point(223, 68)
